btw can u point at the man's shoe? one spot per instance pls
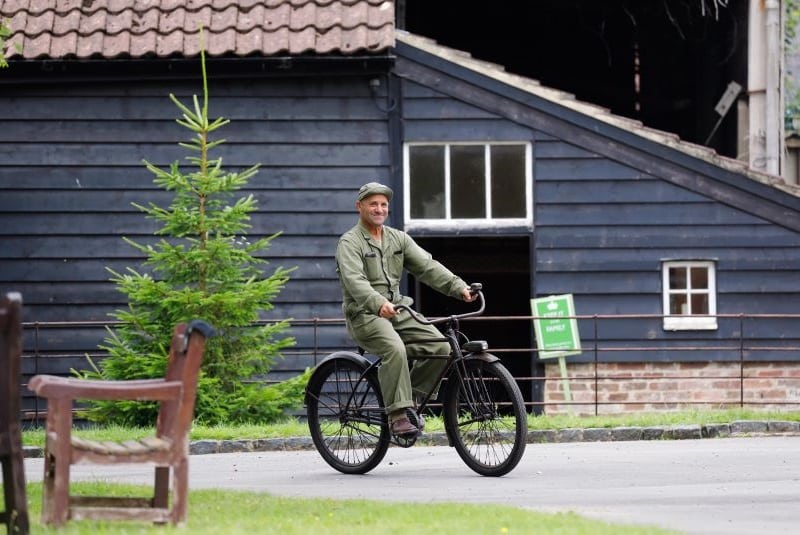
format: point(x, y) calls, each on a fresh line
point(404, 427)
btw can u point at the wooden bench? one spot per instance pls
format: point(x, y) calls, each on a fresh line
point(15, 514)
point(167, 450)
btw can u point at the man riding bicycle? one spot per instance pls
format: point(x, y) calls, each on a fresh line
point(370, 259)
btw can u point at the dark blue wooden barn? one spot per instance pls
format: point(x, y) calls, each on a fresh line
point(507, 182)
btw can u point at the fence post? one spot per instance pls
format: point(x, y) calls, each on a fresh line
point(315, 322)
point(596, 398)
point(36, 370)
point(741, 360)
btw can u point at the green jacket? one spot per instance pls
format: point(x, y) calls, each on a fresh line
point(370, 273)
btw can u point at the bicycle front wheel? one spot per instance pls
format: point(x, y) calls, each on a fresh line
point(485, 417)
point(346, 416)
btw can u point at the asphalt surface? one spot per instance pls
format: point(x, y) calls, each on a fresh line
point(731, 486)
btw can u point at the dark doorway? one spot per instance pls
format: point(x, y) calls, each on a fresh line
point(502, 264)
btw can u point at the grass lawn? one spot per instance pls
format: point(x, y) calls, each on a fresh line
point(217, 512)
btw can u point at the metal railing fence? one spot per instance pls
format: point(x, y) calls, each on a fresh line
point(609, 343)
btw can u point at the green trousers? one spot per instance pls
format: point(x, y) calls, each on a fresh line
point(387, 339)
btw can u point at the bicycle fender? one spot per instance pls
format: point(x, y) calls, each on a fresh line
point(348, 355)
point(484, 356)
point(345, 355)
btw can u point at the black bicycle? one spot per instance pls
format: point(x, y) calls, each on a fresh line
point(481, 406)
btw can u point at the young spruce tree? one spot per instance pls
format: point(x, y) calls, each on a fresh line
point(202, 267)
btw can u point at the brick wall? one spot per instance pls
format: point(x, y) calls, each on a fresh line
point(631, 387)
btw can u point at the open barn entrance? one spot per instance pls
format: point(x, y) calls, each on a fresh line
point(502, 264)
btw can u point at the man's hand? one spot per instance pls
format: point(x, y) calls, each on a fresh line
point(387, 310)
point(468, 295)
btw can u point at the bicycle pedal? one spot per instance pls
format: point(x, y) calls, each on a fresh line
point(406, 441)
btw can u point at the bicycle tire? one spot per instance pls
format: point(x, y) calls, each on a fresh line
point(485, 417)
point(346, 416)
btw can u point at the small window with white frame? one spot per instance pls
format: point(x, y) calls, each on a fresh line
point(690, 295)
point(469, 184)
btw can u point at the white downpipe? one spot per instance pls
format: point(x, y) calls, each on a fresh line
point(773, 93)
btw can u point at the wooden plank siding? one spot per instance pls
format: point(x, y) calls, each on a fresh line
point(609, 204)
point(71, 165)
point(610, 207)
point(604, 237)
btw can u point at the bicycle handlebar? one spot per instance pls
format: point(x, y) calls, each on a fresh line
point(474, 288)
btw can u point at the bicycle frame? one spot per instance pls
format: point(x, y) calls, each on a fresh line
point(457, 357)
point(482, 408)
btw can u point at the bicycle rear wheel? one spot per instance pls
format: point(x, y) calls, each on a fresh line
point(346, 416)
point(485, 417)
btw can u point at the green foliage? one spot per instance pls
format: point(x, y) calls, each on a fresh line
point(273, 403)
point(791, 85)
point(792, 19)
point(5, 33)
point(201, 267)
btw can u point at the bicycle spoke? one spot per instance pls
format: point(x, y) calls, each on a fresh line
point(487, 414)
point(346, 417)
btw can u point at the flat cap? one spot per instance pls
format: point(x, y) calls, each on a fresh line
point(374, 188)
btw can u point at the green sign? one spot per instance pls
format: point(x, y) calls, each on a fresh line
point(555, 325)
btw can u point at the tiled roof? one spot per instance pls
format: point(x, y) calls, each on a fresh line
point(62, 29)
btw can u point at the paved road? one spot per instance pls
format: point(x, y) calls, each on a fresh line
point(731, 486)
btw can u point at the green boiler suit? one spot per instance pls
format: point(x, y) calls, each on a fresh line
point(370, 272)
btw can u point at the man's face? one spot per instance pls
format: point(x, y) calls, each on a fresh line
point(373, 209)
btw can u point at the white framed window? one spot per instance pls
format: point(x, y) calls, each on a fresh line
point(467, 185)
point(690, 295)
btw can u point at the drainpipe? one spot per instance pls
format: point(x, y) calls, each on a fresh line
point(772, 97)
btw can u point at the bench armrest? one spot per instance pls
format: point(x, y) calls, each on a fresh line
point(52, 386)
